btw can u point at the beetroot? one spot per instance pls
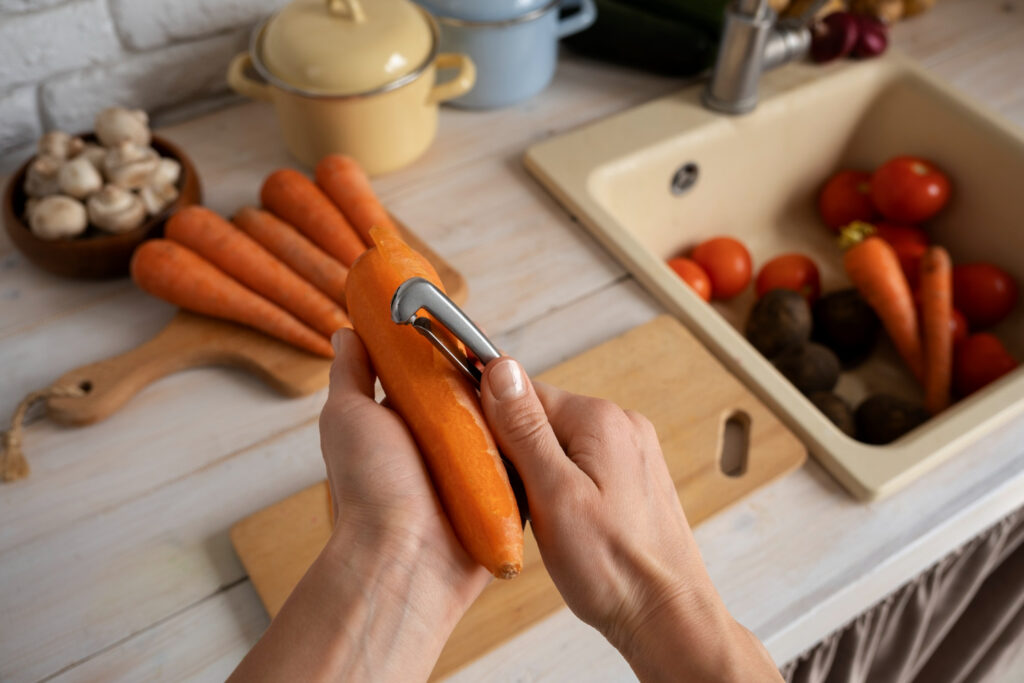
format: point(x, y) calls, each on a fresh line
point(834, 36)
point(872, 37)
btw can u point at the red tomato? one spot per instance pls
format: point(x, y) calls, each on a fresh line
point(984, 292)
point(979, 360)
point(909, 243)
point(901, 234)
point(909, 190)
point(693, 275)
point(790, 271)
point(845, 198)
point(960, 329)
point(727, 263)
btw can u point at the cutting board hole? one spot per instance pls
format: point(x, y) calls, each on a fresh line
point(85, 385)
point(735, 444)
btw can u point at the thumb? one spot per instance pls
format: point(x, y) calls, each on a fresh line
point(351, 375)
point(520, 426)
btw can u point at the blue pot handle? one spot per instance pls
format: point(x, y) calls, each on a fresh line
point(578, 21)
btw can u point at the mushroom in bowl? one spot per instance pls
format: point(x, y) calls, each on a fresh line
point(83, 203)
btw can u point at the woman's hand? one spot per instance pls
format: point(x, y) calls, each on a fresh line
point(378, 481)
point(385, 593)
point(612, 533)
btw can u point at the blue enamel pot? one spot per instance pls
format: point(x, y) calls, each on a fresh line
point(515, 57)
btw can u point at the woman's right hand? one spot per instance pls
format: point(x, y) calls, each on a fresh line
point(612, 533)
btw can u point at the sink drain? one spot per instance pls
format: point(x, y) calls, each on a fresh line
point(684, 178)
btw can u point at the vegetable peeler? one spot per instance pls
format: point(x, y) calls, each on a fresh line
point(418, 294)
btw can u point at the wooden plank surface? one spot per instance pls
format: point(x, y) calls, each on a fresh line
point(115, 558)
point(658, 369)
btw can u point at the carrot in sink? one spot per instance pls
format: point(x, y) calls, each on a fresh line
point(286, 243)
point(874, 269)
point(295, 199)
point(238, 255)
point(344, 181)
point(936, 317)
point(173, 273)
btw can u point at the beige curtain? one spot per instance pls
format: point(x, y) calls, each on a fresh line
point(962, 620)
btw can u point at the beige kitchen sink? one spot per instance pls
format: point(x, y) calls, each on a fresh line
point(757, 177)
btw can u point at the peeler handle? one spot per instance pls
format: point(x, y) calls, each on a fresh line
point(417, 293)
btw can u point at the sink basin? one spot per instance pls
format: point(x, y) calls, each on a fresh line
point(756, 178)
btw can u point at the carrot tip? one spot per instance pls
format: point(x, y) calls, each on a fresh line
point(508, 571)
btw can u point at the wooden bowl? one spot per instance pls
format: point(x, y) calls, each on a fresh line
point(94, 255)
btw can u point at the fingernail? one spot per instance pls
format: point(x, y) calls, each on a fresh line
point(336, 339)
point(506, 378)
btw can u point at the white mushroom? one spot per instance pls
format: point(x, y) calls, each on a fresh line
point(156, 198)
point(79, 178)
point(57, 217)
point(94, 153)
point(41, 179)
point(129, 165)
point(117, 124)
point(59, 145)
point(116, 209)
point(167, 172)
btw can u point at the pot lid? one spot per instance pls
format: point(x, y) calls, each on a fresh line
point(345, 47)
point(489, 10)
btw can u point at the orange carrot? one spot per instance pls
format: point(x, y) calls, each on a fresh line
point(173, 273)
point(875, 270)
point(345, 182)
point(299, 202)
point(298, 253)
point(936, 316)
point(440, 407)
point(234, 252)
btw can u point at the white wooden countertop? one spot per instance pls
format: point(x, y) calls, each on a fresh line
point(115, 561)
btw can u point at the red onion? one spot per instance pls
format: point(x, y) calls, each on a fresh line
point(834, 37)
point(873, 37)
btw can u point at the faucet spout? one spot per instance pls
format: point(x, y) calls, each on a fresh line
point(753, 41)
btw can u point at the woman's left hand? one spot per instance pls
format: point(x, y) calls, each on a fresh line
point(385, 593)
point(379, 483)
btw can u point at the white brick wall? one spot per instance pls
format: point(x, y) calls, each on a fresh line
point(63, 60)
point(152, 23)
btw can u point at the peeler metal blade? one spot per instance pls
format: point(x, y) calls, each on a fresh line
point(417, 294)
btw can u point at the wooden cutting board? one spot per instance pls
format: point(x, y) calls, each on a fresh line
point(658, 369)
point(191, 340)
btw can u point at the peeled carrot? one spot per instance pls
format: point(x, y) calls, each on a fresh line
point(344, 181)
point(173, 273)
point(440, 407)
point(286, 243)
point(874, 268)
point(299, 202)
point(234, 252)
point(936, 316)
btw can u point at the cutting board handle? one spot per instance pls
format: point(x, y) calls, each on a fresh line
point(188, 341)
point(109, 383)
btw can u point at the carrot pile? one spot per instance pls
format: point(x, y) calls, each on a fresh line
point(282, 270)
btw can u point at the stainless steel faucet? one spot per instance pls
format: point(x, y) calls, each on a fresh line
point(753, 41)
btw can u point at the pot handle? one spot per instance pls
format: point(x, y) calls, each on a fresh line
point(240, 81)
point(582, 19)
point(460, 85)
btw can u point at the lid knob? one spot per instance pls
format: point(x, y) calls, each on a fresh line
point(350, 9)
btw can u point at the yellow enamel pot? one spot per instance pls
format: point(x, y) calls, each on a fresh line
point(351, 77)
